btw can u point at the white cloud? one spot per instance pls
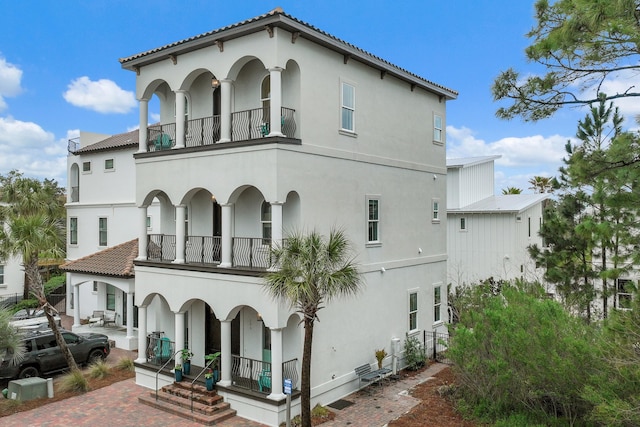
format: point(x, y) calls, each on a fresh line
point(10, 77)
point(103, 96)
point(27, 147)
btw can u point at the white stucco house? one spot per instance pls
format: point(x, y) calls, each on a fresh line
point(11, 278)
point(266, 126)
point(488, 235)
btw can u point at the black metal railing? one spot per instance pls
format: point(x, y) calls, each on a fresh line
point(203, 249)
point(290, 371)
point(161, 137)
point(203, 131)
point(10, 300)
point(251, 374)
point(288, 122)
point(251, 252)
point(161, 247)
point(159, 348)
point(249, 124)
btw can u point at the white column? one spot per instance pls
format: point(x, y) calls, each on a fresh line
point(142, 334)
point(225, 352)
point(179, 334)
point(130, 335)
point(225, 110)
point(142, 131)
point(180, 131)
point(226, 210)
point(276, 101)
point(142, 233)
point(76, 305)
point(276, 365)
point(180, 234)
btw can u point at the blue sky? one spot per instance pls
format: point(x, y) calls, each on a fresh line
point(59, 69)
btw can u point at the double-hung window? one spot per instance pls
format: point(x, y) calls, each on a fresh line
point(413, 310)
point(435, 210)
point(437, 303)
point(348, 107)
point(437, 128)
point(624, 290)
point(373, 220)
point(73, 231)
point(265, 220)
point(102, 231)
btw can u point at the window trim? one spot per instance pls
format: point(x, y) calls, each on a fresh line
point(2, 274)
point(439, 139)
point(628, 295)
point(463, 224)
point(412, 312)
point(113, 165)
point(352, 108)
point(86, 171)
point(370, 198)
point(266, 225)
point(437, 306)
point(102, 230)
point(73, 241)
point(435, 210)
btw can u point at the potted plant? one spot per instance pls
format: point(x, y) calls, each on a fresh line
point(380, 355)
point(212, 361)
point(186, 356)
point(209, 380)
point(178, 371)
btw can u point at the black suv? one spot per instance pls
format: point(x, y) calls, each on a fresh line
point(42, 354)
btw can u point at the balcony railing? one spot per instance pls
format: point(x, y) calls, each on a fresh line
point(245, 125)
point(255, 375)
point(247, 252)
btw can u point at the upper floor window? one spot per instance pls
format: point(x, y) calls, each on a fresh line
point(413, 310)
point(348, 107)
point(86, 167)
point(102, 231)
point(437, 128)
point(265, 219)
point(74, 181)
point(1, 274)
point(73, 231)
point(435, 210)
point(109, 165)
point(624, 290)
point(265, 99)
point(373, 220)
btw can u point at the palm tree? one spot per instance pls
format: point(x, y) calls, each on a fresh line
point(10, 338)
point(310, 271)
point(33, 217)
point(542, 184)
point(511, 190)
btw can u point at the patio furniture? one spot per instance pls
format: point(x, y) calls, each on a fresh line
point(109, 318)
point(264, 380)
point(97, 318)
point(162, 351)
point(365, 374)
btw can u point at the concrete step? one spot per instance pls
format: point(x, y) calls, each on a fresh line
point(223, 411)
point(199, 393)
point(185, 402)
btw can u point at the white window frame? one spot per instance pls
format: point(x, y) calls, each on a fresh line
point(438, 128)
point(627, 296)
point(435, 210)
point(2, 284)
point(437, 303)
point(149, 223)
point(463, 223)
point(373, 221)
point(412, 318)
point(103, 230)
point(265, 222)
point(72, 230)
point(95, 287)
point(347, 108)
point(88, 165)
point(113, 165)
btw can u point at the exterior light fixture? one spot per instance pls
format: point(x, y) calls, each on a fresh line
point(215, 83)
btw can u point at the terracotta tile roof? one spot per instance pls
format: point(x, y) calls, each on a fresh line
point(116, 261)
point(278, 18)
point(122, 140)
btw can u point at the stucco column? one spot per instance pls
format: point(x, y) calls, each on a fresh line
point(142, 131)
point(142, 233)
point(130, 297)
point(76, 305)
point(180, 130)
point(179, 335)
point(276, 101)
point(225, 110)
point(225, 352)
point(180, 234)
point(276, 365)
point(227, 211)
point(142, 334)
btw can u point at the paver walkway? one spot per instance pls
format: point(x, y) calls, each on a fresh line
point(117, 405)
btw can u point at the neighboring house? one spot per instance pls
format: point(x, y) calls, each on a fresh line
point(11, 279)
point(280, 127)
point(101, 229)
point(488, 235)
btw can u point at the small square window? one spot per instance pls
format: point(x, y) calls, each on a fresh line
point(108, 164)
point(86, 166)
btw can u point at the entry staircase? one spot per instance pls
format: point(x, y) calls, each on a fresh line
point(208, 407)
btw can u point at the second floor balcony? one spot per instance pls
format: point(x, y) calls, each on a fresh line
point(206, 131)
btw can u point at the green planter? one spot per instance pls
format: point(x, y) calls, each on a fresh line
point(209, 382)
point(186, 367)
point(178, 373)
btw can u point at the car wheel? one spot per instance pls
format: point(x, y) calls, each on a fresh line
point(95, 356)
point(29, 372)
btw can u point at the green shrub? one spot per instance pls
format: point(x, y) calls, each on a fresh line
point(99, 369)
point(25, 303)
point(74, 381)
point(54, 283)
point(414, 353)
point(125, 364)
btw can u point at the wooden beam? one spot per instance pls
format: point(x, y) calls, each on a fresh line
point(173, 59)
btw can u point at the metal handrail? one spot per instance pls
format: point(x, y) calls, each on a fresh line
point(162, 367)
point(198, 376)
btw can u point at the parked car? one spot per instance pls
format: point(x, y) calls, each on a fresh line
point(44, 356)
